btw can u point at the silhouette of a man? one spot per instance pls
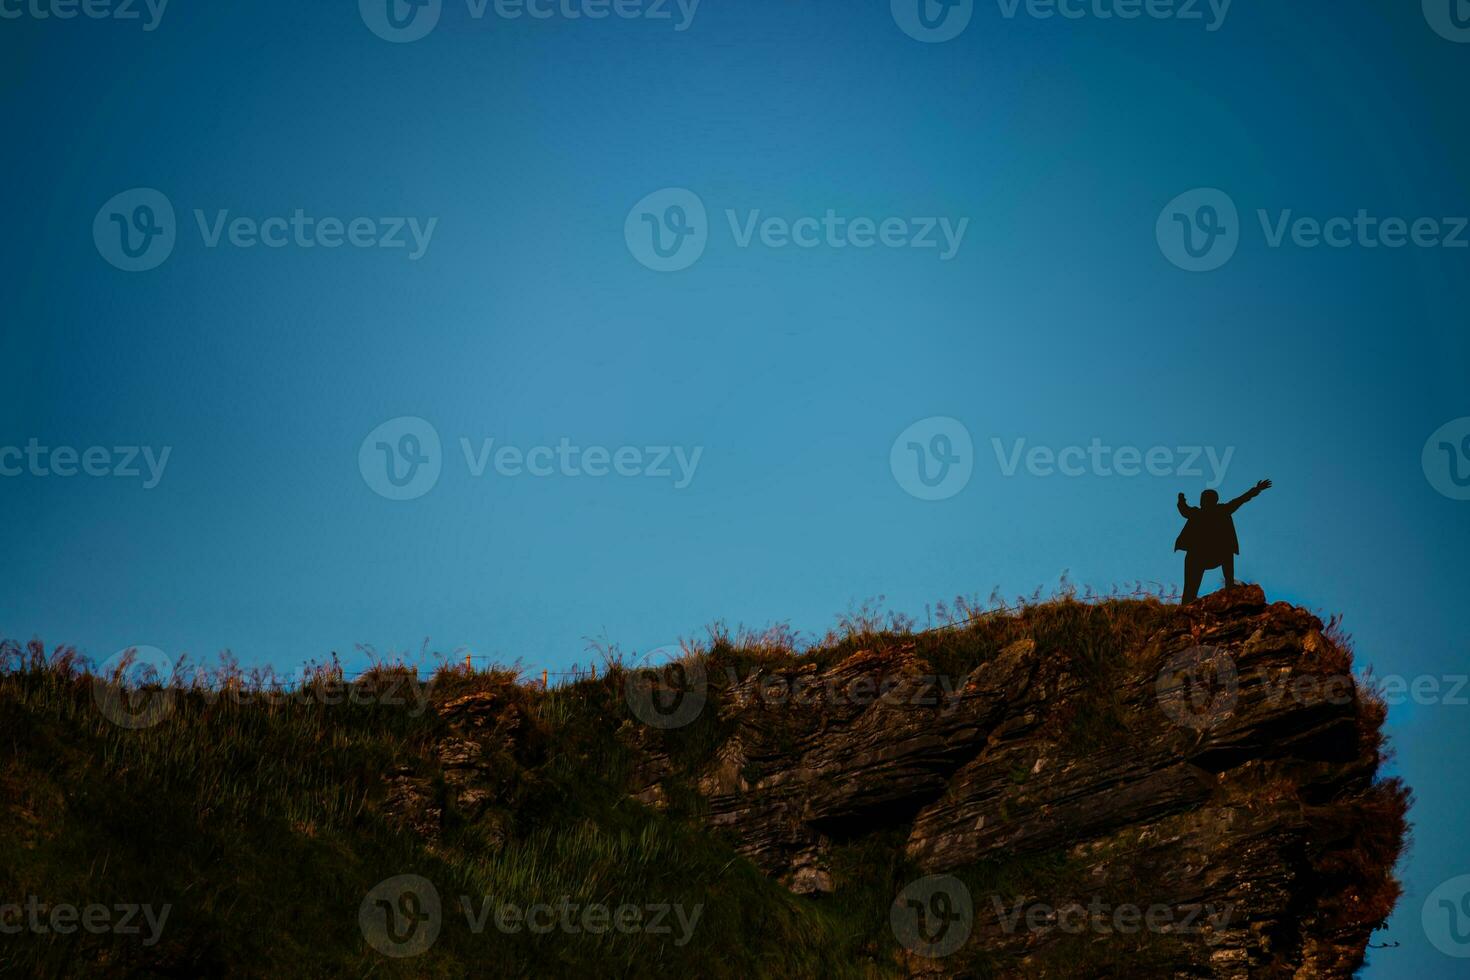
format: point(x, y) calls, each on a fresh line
point(1208, 539)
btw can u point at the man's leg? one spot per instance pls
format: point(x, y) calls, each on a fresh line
point(1228, 567)
point(1194, 572)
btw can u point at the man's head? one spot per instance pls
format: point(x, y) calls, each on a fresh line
point(1209, 498)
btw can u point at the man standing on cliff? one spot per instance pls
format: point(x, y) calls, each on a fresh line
point(1208, 539)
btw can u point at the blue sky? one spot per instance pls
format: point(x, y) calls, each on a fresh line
point(528, 151)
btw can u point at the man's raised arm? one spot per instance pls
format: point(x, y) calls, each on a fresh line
point(1250, 494)
point(1185, 511)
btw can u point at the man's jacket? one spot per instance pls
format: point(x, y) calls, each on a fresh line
point(1210, 531)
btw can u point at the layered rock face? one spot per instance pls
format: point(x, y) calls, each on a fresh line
point(1225, 781)
point(485, 739)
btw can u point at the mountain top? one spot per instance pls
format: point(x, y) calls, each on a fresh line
point(1121, 787)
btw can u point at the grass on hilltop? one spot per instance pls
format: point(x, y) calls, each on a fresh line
point(262, 821)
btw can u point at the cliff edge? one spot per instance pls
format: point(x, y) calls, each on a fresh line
point(1112, 788)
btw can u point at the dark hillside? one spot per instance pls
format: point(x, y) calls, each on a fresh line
point(1068, 789)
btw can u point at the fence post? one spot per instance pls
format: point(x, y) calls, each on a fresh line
point(468, 669)
point(543, 681)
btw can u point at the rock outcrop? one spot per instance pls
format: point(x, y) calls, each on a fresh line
point(1226, 778)
point(479, 757)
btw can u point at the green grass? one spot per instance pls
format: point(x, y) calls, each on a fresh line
point(262, 821)
point(261, 824)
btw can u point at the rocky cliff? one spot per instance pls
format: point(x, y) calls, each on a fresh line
point(1214, 766)
point(1111, 788)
